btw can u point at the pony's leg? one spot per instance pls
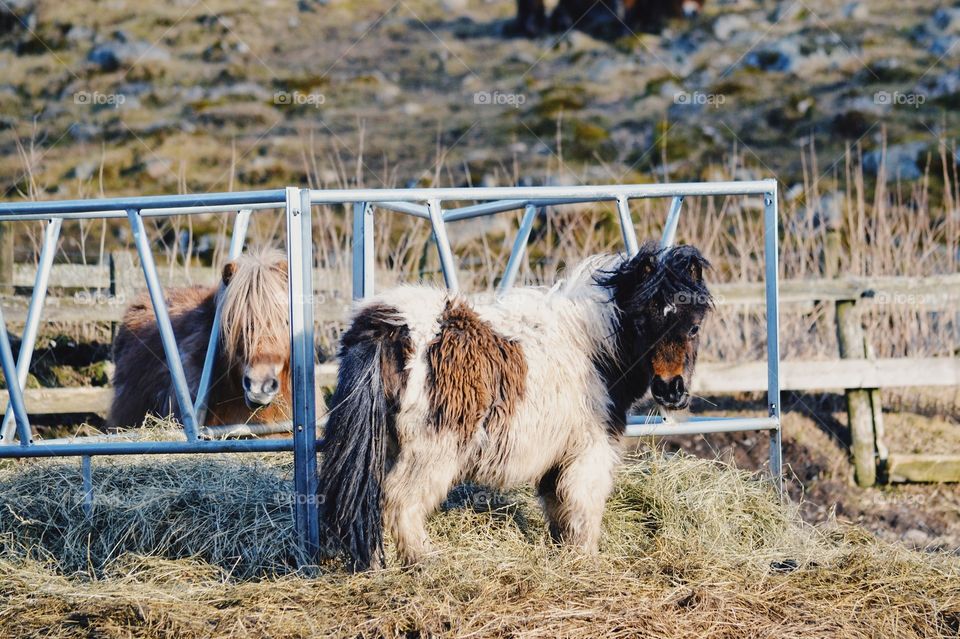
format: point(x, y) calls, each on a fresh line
point(547, 492)
point(583, 487)
point(414, 488)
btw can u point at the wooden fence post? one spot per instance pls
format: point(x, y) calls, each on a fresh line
point(7, 232)
point(123, 276)
point(860, 408)
point(122, 281)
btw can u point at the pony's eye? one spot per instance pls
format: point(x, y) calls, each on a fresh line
point(694, 331)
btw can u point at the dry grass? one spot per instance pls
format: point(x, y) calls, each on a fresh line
point(196, 548)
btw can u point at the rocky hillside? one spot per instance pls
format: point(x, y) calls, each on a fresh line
point(130, 97)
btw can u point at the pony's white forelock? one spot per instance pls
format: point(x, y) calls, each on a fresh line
point(255, 311)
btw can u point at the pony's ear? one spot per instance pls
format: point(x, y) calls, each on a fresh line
point(640, 268)
point(633, 274)
point(688, 261)
point(644, 264)
point(228, 270)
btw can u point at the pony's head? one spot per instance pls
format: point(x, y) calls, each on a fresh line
point(662, 300)
point(255, 333)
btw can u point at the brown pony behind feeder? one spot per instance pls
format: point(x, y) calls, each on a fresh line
point(251, 374)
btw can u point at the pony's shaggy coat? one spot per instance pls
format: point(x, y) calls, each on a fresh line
point(532, 388)
point(476, 376)
point(254, 332)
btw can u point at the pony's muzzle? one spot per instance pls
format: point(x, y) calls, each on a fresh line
point(670, 394)
point(260, 391)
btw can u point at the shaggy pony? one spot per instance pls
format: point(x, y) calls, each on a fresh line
point(534, 387)
point(251, 374)
point(602, 18)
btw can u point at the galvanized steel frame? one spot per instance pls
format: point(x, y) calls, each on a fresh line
point(428, 204)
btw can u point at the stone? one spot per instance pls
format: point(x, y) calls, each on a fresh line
point(240, 90)
point(110, 56)
point(827, 211)
point(159, 168)
point(85, 132)
point(943, 44)
point(901, 161)
point(17, 15)
point(105, 57)
point(916, 537)
point(856, 11)
point(945, 20)
point(728, 24)
point(83, 171)
point(80, 34)
point(779, 56)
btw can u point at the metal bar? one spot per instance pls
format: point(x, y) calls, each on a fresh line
point(213, 202)
point(172, 353)
point(519, 250)
point(363, 259)
point(642, 427)
point(65, 208)
point(416, 210)
point(626, 226)
point(86, 470)
point(246, 430)
point(443, 245)
point(670, 227)
point(771, 259)
point(110, 214)
point(489, 208)
point(13, 389)
point(51, 235)
point(148, 448)
point(300, 260)
point(240, 225)
point(595, 193)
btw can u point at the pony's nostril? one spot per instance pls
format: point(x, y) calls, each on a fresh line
point(676, 386)
point(271, 385)
point(247, 383)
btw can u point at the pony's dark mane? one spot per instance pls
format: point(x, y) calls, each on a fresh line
point(659, 275)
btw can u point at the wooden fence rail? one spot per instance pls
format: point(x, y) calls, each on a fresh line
point(93, 301)
point(711, 378)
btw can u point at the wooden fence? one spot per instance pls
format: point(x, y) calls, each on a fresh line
point(855, 371)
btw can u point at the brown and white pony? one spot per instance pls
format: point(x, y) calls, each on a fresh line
point(251, 374)
point(534, 387)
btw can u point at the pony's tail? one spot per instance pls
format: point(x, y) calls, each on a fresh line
point(354, 456)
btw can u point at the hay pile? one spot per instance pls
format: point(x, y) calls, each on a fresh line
point(202, 547)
